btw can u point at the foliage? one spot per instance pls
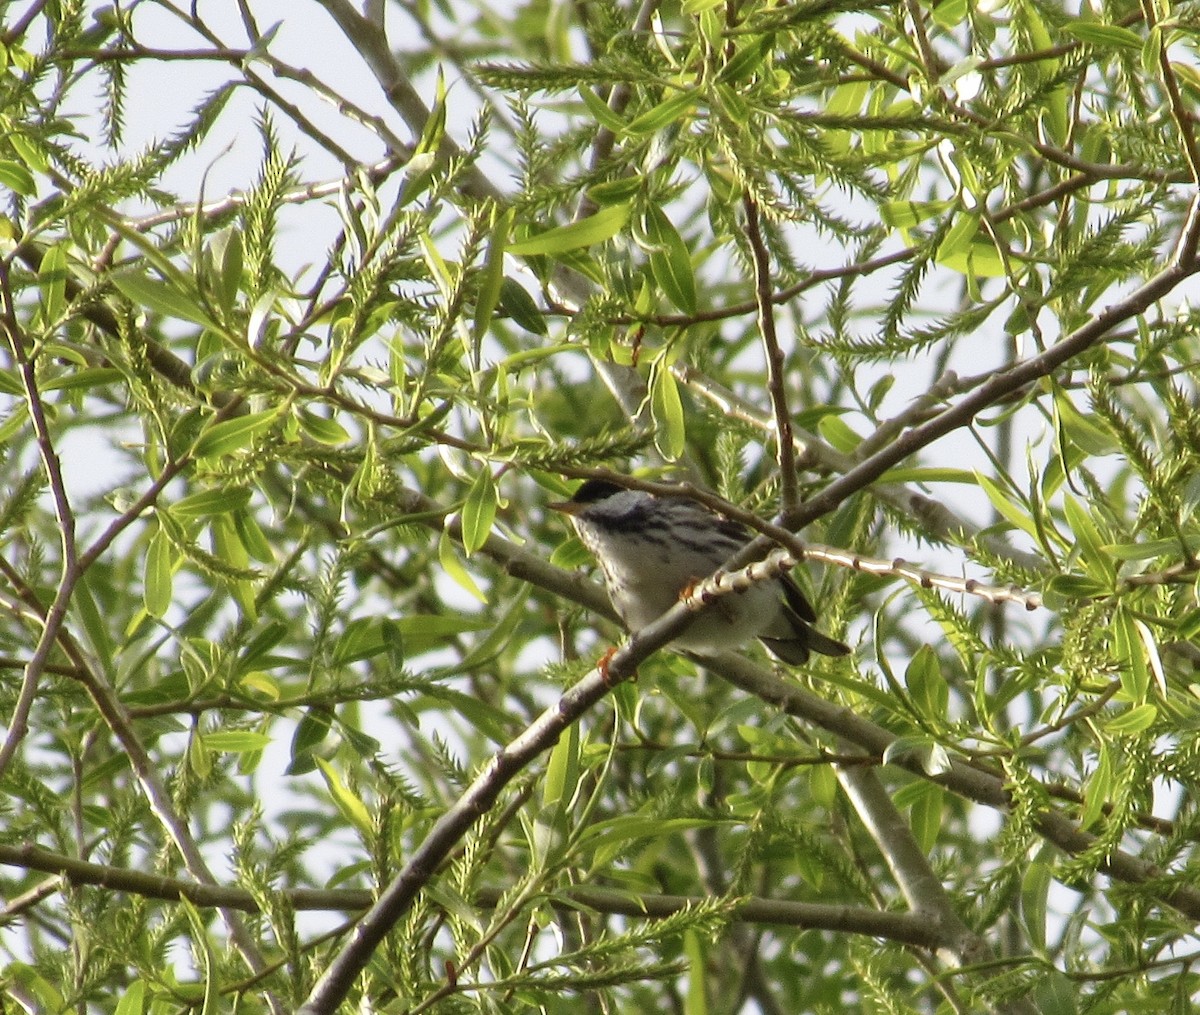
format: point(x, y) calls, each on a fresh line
point(287, 624)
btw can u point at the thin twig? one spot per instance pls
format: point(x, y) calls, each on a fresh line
point(18, 725)
point(1184, 118)
point(785, 449)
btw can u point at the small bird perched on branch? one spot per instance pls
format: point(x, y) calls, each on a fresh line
point(653, 549)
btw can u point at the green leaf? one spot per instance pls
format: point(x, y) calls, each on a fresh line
point(236, 741)
point(17, 178)
point(1129, 652)
point(1035, 890)
point(949, 14)
point(52, 280)
point(666, 409)
point(1006, 508)
point(562, 771)
point(1152, 656)
point(232, 435)
point(133, 999)
point(960, 236)
point(907, 214)
point(751, 57)
point(79, 380)
point(1097, 791)
point(1085, 433)
point(479, 511)
point(926, 685)
point(310, 733)
point(604, 225)
point(157, 584)
point(162, 297)
point(516, 302)
point(599, 109)
point(434, 130)
point(321, 429)
point(928, 474)
point(232, 264)
point(350, 805)
point(491, 279)
point(204, 956)
point(454, 568)
point(211, 502)
point(1090, 543)
point(839, 434)
point(696, 951)
point(1106, 36)
point(926, 811)
point(669, 111)
point(1135, 720)
point(670, 262)
point(616, 191)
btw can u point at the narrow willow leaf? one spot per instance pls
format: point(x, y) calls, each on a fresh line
point(1097, 791)
point(236, 741)
point(926, 686)
point(696, 950)
point(479, 512)
point(1130, 654)
point(562, 771)
point(133, 999)
point(1089, 434)
point(669, 111)
point(1096, 562)
point(16, 177)
point(960, 237)
point(1007, 509)
point(1106, 36)
point(211, 502)
point(747, 60)
point(1035, 889)
point(516, 302)
point(363, 638)
point(599, 109)
point(906, 214)
point(321, 429)
point(88, 377)
point(666, 409)
point(838, 433)
point(670, 262)
point(157, 584)
point(232, 265)
point(1134, 721)
point(205, 957)
point(616, 191)
point(232, 435)
point(351, 806)
point(492, 277)
point(455, 570)
point(311, 731)
point(926, 812)
point(604, 225)
point(162, 297)
point(52, 280)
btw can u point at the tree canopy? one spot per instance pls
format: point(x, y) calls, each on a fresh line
point(310, 310)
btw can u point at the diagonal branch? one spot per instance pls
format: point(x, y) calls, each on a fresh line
point(1183, 264)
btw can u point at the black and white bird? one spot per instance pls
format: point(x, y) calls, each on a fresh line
point(652, 549)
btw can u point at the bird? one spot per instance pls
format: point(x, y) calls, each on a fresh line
point(653, 549)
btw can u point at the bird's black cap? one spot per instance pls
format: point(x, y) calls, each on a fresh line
point(594, 490)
